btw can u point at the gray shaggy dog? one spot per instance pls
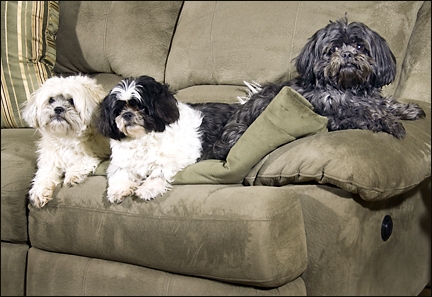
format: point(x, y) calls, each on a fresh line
point(342, 69)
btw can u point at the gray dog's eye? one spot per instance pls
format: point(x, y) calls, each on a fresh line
point(71, 101)
point(51, 100)
point(334, 49)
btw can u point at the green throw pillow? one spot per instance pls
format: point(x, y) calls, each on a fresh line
point(288, 117)
point(28, 53)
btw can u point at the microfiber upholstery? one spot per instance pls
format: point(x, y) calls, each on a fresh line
point(18, 166)
point(56, 274)
point(227, 42)
point(290, 213)
point(232, 233)
point(14, 261)
point(130, 38)
point(361, 162)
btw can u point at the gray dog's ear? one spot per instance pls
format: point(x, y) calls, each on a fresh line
point(308, 57)
point(385, 62)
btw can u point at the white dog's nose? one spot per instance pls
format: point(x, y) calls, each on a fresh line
point(58, 110)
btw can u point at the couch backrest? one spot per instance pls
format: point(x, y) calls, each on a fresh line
point(227, 42)
point(224, 43)
point(129, 38)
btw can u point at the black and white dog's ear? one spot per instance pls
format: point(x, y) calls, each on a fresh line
point(166, 106)
point(160, 101)
point(106, 121)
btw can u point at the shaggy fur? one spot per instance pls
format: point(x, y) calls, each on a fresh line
point(64, 111)
point(153, 136)
point(342, 69)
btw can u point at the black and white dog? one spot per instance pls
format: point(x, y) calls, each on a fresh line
point(153, 136)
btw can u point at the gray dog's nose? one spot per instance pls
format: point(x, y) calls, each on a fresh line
point(347, 55)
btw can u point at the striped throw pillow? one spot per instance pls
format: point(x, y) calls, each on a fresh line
point(28, 53)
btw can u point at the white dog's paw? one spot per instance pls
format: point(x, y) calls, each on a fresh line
point(118, 195)
point(39, 196)
point(151, 188)
point(71, 179)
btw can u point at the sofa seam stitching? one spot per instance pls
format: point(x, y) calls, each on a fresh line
point(268, 219)
point(337, 179)
point(85, 276)
point(105, 37)
point(292, 39)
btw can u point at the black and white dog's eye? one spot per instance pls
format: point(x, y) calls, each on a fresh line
point(71, 101)
point(51, 100)
point(359, 47)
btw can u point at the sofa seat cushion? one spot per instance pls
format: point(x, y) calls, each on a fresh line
point(54, 274)
point(374, 165)
point(246, 235)
point(18, 166)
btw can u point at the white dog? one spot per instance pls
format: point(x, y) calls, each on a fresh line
point(64, 111)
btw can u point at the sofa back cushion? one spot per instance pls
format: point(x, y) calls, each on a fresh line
point(228, 42)
point(129, 38)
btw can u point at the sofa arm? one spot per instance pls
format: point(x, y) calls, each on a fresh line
point(374, 165)
point(18, 166)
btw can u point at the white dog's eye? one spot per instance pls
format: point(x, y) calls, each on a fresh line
point(51, 100)
point(71, 101)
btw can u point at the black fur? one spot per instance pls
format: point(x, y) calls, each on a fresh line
point(153, 105)
point(215, 117)
point(342, 69)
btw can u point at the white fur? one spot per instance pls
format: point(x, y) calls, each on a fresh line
point(251, 88)
point(72, 146)
point(145, 166)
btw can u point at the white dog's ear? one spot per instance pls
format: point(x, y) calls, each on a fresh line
point(31, 110)
point(87, 96)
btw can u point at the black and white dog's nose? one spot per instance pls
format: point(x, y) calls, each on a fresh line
point(128, 116)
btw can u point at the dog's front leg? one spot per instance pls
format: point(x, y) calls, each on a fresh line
point(156, 184)
point(44, 183)
point(76, 173)
point(120, 185)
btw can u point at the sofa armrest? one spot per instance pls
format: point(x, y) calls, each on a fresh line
point(374, 165)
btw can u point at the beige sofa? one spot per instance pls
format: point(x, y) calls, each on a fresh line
point(310, 218)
